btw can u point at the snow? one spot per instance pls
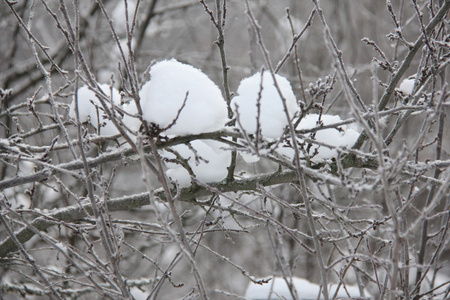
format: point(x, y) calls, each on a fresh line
point(273, 119)
point(129, 119)
point(277, 289)
point(171, 82)
point(207, 159)
point(407, 86)
point(26, 168)
point(90, 109)
point(61, 246)
point(138, 294)
point(249, 157)
point(344, 137)
point(20, 200)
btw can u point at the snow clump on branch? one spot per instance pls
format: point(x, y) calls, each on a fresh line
point(339, 136)
point(91, 110)
point(207, 159)
point(407, 86)
point(182, 99)
point(261, 91)
point(327, 140)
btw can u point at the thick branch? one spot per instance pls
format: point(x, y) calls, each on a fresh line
point(75, 212)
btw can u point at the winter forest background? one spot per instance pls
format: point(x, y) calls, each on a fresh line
point(101, 204)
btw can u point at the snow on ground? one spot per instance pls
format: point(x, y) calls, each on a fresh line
point(173, 83)
point(277, 289)
point(90, 109)
point(344, 136)
point(272, 117)
point(207, 159)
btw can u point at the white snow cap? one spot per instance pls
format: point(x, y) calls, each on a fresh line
point(207, 158)
point(344, 137)
point(91, 110)
point(133, 123)
point(171, 82)
point(407, 85)
point(277, 289)
point(272, 116)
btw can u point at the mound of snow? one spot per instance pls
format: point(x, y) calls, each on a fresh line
point(277, 289)
point(129, 119)
point(407, 86)
point(342, 136)
point(272, 117)
point(207, 159)
point(91, 110)
point(172, 84)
